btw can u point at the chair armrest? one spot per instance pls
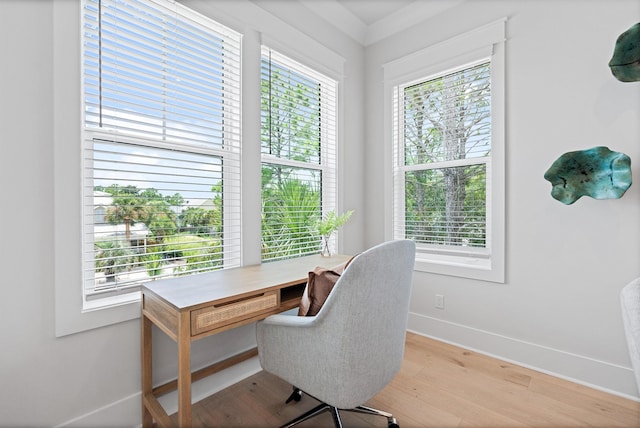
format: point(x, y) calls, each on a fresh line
point(288, 320)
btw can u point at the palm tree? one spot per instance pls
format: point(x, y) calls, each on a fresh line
point(290, 211)
point(127, 208)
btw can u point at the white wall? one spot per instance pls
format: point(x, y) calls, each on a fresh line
point(559, 308)
point(93, 378)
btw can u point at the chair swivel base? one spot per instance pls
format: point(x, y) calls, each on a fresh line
point(324, 407)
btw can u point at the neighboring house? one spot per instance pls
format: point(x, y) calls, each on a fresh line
point(205, 204)
point(101, 202)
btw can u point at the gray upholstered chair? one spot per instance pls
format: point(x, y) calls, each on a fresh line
point(630, 301)
point(354, 346)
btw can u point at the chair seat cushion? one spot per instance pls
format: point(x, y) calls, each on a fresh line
point(319, 285)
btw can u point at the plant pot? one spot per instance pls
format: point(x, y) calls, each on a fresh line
point(325, 251)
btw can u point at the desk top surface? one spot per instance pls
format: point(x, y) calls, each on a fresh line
point(227, 284)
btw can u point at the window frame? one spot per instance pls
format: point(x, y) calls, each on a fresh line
point(74, 313)
point(128, 132)
point(482, 44)
point(327, 165)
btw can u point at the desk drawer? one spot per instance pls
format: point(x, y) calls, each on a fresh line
point(215, 316)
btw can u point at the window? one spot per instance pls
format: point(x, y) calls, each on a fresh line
point(161, 194)
point(446, 141)
point(448, 155)
point(298, 145)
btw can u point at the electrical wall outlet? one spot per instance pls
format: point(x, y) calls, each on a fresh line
point(439, 301)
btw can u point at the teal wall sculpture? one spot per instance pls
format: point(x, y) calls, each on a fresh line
point(625, 63)
point(598, 172)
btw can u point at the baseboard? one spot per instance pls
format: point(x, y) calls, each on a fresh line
point(601, 375)
point(126, 412)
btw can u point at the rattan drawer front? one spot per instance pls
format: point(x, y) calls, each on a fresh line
point(215, 316)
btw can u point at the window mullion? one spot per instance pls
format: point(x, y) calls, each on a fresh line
point(446, 164)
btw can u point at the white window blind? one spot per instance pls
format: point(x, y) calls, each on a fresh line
point(162, 144)
point(442, 156)
point(298, 140)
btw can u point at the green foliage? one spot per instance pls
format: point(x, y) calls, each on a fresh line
point(159, 218)
point(127, 208)
point(290, 116)
point(153, 263)
point(332, 222)
point(165, 244)
point(175, 200)
point(196, 252)
point(112, 257)
point(149, 206)
point(426, 213)
point(290, 209)
point(201, 221)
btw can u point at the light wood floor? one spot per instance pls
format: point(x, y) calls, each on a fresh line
point(439, 385)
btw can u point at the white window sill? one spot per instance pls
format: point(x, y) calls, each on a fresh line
point(112, 302)
point(480, 266)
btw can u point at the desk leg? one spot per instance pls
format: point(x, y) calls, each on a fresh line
point(146, 345)
point(184, 370)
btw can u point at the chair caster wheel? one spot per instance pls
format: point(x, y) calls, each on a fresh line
point(296, 396)
point(393, 423)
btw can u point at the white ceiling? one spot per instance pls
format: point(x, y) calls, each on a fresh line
point(368, 21)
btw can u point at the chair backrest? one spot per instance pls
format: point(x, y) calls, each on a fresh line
point(630, 302)
point(364, 321)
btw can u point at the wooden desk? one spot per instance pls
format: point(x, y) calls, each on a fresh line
point(188, 308)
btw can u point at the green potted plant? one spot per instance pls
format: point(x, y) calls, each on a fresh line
point(329, 224)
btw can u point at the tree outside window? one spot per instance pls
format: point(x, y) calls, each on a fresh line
point(446, 141)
